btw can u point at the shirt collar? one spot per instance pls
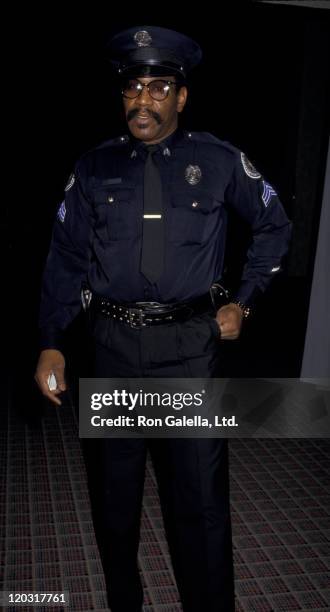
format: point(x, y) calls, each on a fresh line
point(166, 145)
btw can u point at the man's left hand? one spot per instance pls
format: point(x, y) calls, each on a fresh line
point(229, 319)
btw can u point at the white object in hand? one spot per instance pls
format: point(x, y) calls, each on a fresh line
point(52, 384)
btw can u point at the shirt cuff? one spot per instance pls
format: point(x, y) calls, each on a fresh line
point(51, 338)
point(248, 294)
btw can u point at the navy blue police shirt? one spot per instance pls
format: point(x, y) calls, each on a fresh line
point(97, 236)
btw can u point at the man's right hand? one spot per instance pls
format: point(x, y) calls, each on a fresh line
point(51, 361)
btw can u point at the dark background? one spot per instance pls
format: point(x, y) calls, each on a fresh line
point(263, 85)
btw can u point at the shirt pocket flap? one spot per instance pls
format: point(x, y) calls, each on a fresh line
point(116, 212)
point(112, 195)
point(197, 201)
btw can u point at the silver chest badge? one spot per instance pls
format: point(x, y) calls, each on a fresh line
point(142, 38)
point(193, 174)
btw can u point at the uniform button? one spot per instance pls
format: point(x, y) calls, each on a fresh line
point(111, 199)
point(194, 204)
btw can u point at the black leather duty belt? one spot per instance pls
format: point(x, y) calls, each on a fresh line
point(147, 314)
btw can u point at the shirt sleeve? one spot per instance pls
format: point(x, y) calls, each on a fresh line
point(256, 201)
point(67, 263)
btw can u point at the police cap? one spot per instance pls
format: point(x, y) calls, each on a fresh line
point(149, 50)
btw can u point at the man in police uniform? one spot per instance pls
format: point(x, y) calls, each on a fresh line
point(143, 227)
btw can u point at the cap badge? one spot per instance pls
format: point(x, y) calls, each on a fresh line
point(193, 174)
point(249, 168)
point(142, 38)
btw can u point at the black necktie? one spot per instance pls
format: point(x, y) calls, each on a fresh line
point(152, 257)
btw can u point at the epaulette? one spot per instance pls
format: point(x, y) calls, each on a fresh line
point(118, 141)
point(113, 142)
point(207, 138)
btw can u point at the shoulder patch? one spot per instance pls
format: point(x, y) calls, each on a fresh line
point(70, 182)
point(249, 168)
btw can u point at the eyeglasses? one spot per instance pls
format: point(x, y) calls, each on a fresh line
point(158, 90)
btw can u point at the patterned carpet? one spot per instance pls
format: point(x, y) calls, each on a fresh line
point(280, 511)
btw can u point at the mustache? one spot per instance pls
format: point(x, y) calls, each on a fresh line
point(135, 111)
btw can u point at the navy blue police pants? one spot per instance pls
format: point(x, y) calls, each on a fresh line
point(192, 473)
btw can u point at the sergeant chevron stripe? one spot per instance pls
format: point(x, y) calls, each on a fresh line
point(61, 212)
point(267, 193)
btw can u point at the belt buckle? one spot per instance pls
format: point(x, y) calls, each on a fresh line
point(139, 323)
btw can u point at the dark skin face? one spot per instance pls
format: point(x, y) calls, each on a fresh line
point(151, 120)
